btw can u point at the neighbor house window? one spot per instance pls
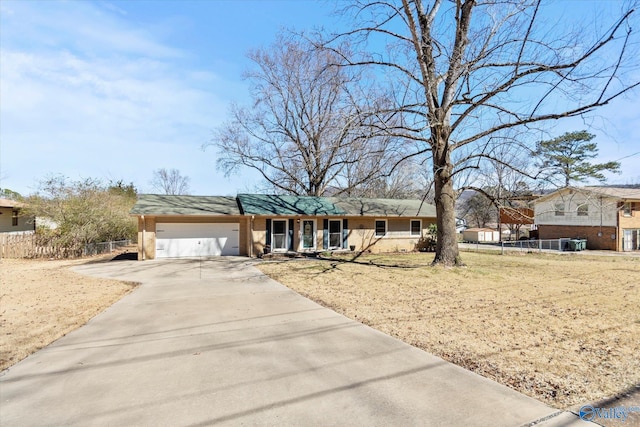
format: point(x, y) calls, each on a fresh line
point(583, 210)
point(14, 218)
point(416, 227)
point(381, 227)
point(559, 209)
point(626, 209)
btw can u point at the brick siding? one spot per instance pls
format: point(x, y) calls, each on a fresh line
point(594, 241)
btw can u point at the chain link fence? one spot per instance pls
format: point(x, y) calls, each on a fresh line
point(104, 247)
point(523, 245)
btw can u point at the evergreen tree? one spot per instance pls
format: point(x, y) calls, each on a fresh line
point(5, 193)
point(565, 159)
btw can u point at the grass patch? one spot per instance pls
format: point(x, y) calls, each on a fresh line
point(41, 301)
point(562, 329)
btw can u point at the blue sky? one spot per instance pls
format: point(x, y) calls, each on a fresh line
point(116, 89)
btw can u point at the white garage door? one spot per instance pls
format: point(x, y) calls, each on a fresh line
point(194, 240)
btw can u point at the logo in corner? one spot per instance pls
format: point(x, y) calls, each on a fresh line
point(587, 413)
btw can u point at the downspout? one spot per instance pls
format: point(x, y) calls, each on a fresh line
point(600, 216)
point(251, 236)
point(619, 236)
point(143, 230)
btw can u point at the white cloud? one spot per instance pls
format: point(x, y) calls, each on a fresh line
point(87, 94)
point(80, 26)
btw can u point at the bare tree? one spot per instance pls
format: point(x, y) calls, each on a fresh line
point(308, 123)
point(170, 181)
point(478, 210)
point(464, 72)
point(406, 180)
point(504, 179)
point(85, 211)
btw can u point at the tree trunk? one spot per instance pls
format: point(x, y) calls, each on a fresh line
point(447, 253)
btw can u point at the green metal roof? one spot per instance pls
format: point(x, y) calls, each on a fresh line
point(155, 204)
point(263, 204)
point(275, 205)
point(384, 207)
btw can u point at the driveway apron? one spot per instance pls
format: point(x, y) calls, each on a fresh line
point(208, 342)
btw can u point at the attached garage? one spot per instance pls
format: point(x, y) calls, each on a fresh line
point(178, 240)
point(172, 226)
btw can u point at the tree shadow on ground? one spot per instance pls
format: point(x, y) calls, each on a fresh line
point(126, 256)
point(336, 260)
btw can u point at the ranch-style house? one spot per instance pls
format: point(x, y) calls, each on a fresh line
point(255, 224)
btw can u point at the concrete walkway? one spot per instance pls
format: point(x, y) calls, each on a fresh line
point(217, 342)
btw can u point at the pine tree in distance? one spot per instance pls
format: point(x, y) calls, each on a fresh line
point(565, 160)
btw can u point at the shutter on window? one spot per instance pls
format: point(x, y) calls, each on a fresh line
point(291, 234)
point(345, 233)
point(268, 240)
point(325, 233)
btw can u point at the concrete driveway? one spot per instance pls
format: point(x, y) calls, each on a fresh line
point(217, 342)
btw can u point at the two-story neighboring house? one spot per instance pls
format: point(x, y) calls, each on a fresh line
point(608, 217)
point(12, 219)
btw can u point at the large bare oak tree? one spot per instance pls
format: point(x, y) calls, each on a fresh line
point(308, 130)
point(467, 72)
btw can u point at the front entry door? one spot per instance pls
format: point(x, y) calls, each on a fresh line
point(308, 234)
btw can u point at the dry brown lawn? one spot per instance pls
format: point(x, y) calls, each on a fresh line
point(40, 301)
point(564, 329)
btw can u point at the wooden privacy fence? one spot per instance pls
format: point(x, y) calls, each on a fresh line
point(27, 246)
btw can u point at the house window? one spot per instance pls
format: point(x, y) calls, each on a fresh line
point(308, 234)
point(626, 209)
point(14, 218)
point(583, 210)
point(381, 227)
point(559, 207)
point(335, 233)
point(279, 235)
point(416, 227)
point(631, 240)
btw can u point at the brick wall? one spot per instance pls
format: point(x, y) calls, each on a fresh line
point(594, 241)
